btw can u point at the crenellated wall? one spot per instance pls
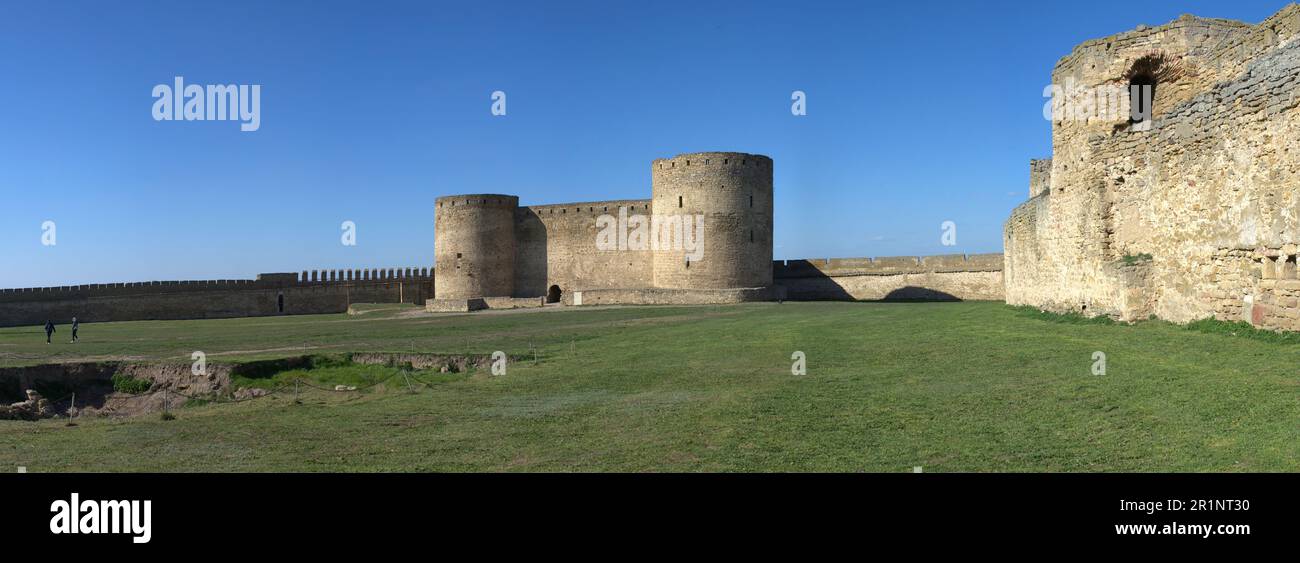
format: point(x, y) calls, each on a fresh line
point(311, 292)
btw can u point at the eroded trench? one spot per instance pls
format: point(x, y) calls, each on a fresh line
point(134, 388)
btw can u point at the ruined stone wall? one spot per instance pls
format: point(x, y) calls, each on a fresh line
point(1175, 219)
point(320, 291)
point(557, 247)
point(1040, 176)
point(946, 277)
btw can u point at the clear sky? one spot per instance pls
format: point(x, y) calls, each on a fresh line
point(918, 113)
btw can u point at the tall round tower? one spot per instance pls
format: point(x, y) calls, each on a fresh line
point(732, 193)
point(474, 246)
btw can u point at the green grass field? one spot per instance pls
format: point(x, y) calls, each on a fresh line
point(889, 386)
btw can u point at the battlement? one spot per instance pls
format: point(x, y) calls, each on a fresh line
point(262, 281)
point(714, 159)
point(126, 288)
point(884, 266)
point(364, 275)
point(593, 208)
point(478, 200)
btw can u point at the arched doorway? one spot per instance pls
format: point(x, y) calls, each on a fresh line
point(279, 303)
point(553, 294)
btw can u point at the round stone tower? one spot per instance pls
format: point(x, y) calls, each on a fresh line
point(474, 246)
point(733, 193)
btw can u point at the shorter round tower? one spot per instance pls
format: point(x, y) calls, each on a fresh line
point(474, 246)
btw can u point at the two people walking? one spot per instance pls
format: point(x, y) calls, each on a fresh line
point(49, 330)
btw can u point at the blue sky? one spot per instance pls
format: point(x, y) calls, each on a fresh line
point(918, 113)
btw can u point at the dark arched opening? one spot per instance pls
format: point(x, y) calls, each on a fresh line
point(1142, 95)
point(1143, 76)
point(279, 303)
point(553, 294)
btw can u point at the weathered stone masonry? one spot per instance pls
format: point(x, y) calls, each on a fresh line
point(1196, 214)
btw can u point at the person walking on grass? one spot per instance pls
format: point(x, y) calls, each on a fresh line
point(49, 330)
point(75, 326)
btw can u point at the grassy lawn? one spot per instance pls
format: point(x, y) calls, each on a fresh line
point(945, 386)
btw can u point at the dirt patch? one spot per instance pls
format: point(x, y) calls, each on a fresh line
point(129, 388)
point(88, 388)
point(440, 362)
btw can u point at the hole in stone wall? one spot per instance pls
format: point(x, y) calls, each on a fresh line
point(553, 294)
point(1146, 73)
point(1142, 94)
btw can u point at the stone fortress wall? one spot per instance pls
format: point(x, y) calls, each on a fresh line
point(965, 277)
point(556, 256)
point(549, 252)
point(1193, 215)
point(311, 292)
point(951, 277)
point(493, 253)
point(557, 248)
